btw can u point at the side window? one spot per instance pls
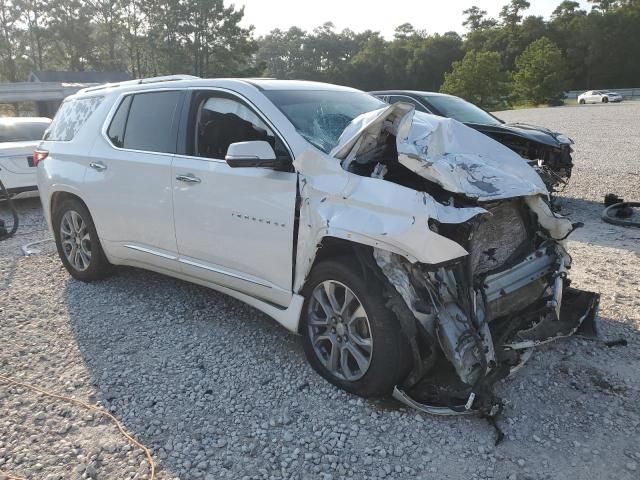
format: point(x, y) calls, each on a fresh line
point(119, 123)
point(71, 116)
point(150, 124)
point(221, 121)
point(402, 98)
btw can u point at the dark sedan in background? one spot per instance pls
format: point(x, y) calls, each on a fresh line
point(549, 152)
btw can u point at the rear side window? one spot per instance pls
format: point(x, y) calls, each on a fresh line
point(119, 123)
point(402, 98)
point(145, 121)
point(71, 116)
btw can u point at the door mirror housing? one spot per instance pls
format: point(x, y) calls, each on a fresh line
point(256, 154)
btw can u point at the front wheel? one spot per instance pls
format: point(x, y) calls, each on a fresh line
point(77, 242)
point(605, 100)
point(581, 102)
point(350, 337)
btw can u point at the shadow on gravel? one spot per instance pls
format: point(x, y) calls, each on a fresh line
point(187, 370)
point(595, 230)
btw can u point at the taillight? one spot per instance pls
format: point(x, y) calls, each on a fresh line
point(38, 156)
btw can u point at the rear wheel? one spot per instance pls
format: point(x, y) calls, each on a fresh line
point(77, 242)
point(605, 100)
point(349, 335)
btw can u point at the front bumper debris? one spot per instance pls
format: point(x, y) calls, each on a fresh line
point(403, 397)
point(578, 310)
point(578, 314)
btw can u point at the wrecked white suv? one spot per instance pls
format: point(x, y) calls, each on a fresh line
point(413, 254)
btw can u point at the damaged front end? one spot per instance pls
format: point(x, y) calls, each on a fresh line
point(471, 247)
point(482, 315)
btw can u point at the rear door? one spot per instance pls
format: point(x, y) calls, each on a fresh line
point(234, 226)
point(128, 184)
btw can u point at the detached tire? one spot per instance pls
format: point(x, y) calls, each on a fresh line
point(350, 337)
point(77, 242)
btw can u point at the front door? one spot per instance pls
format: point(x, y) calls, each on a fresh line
point(234, 226)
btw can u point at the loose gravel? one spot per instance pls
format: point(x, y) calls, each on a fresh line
point(218, 390)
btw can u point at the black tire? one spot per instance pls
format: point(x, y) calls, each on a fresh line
point(581, 102)
point(98, 266)
point(605, 100)
point(389, 362)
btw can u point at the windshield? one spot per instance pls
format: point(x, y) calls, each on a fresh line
point(461, 110)
point(320, 116)
point(22, 131)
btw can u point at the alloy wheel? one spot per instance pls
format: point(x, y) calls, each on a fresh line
point(76, 240)
point(340, 331)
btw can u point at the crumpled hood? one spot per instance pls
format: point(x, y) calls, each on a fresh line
point(445, 151)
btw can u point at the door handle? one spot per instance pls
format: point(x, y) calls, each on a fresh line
point(188, 178)
point(99, 166)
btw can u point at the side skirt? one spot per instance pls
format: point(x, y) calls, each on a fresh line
point(288, 317)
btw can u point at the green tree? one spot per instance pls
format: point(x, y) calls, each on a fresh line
point(479, 78)
point(69, 24)
point(541, 73)
point(604, 5)
point(367, 69)
point(9, 40)
point(431, 59)
point(511, 14)
point(567, 9)
point(477, 19)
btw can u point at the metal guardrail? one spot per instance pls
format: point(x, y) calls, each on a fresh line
point(38, 91)
point(625, 92)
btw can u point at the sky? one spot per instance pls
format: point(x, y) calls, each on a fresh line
point(434, 16)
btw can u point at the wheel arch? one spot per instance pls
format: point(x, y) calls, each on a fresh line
point(331, 248)
point(61, 195)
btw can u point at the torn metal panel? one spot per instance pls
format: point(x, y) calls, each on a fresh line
point(369, 211)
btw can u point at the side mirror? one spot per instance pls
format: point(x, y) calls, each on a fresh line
point(256, 153)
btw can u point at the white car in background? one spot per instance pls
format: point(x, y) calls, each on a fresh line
point(19, 137)
point(599, 96)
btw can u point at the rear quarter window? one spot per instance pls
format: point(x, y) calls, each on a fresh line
point(71, 116)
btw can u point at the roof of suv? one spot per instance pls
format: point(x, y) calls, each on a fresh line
point(191, 81)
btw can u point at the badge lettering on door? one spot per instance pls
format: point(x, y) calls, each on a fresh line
point(257, 219)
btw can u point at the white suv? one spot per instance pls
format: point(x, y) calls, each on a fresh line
point(407, 249)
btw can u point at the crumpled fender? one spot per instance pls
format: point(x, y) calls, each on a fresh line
point(369, 211)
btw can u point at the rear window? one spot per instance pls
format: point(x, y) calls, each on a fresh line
point(22, 131)
point(146, 122)
point(71, 116)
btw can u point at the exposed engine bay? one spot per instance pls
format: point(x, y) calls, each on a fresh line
point(480, 262)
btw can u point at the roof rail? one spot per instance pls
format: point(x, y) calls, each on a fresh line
point(165, 78)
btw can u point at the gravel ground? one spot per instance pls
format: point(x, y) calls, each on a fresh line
point(218, 390)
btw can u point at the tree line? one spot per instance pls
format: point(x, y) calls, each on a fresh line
point(515, 57)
